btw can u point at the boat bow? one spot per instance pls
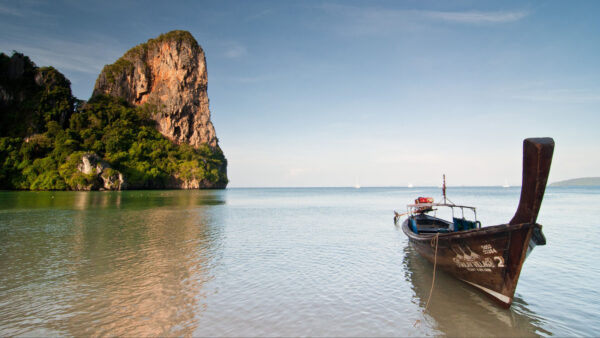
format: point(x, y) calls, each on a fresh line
point(537, 158)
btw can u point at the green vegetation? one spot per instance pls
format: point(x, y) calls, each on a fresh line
point(30, 97)
point(121, 135)
point(176, 35)
point(117, 68)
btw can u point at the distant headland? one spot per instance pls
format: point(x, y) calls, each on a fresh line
point(578, 182)
point(146, 126)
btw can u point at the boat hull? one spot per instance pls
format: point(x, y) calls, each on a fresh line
point(490, 258)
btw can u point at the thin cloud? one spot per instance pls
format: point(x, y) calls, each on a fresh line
point(560, 95)
point(243, 79)
point(234, 50)
point(475, 17)
point(25, 9)
point(251, 79)
point(65, 55)
point(374, 20)
point(60, 60)
point(260, 15)
point(5, 10)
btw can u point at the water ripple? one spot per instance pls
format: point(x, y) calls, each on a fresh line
point(272, 262)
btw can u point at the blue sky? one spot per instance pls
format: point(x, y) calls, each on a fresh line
point(376, 93)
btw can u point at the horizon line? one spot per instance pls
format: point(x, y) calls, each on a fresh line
point(373, 186)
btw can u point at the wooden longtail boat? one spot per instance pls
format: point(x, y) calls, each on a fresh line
point(488, 258)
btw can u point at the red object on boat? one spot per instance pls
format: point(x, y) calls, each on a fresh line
point(425, 200)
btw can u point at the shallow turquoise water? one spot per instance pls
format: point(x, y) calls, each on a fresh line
point(277, 262)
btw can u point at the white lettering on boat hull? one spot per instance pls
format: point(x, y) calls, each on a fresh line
point(466, 258)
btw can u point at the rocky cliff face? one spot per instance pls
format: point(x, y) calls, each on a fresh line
point(168, 74)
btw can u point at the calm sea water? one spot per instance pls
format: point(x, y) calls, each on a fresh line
point(277, 262)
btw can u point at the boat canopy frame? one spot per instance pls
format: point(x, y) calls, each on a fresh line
point(420, 208)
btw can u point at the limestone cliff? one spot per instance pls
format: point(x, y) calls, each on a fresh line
point(169, 74)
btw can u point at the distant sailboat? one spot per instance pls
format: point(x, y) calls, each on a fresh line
point(410, 185)
point(505, 185)
point(356, 182)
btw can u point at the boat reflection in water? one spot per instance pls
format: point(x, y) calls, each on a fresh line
point(456, 309)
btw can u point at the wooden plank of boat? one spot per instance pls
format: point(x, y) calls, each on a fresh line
point(491, 258)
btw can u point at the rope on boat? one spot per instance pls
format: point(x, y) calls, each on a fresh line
point(433, 240)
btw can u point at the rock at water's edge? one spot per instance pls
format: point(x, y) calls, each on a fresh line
point(104, 177)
